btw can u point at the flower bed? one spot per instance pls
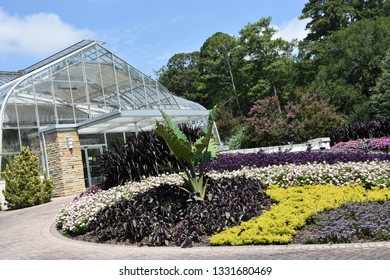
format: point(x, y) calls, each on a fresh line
point(75, 217)
point(295, 206)
point(369, 220)
point(361, 144)
point(367, 174)
point(230, 162)
point(156, 212)
point(164, 216)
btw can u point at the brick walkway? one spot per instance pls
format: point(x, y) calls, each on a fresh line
point(29, 234)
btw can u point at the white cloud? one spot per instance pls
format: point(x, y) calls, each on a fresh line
point(37, 35)
point(293, 29)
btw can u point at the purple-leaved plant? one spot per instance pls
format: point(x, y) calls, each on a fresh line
point(230, 162)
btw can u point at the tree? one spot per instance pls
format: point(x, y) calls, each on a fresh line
point(181, 75)
point(218, 64)
point(348, 64)
point(267, 62)
point(381, 99)
point(23, 185)
point(328, 16)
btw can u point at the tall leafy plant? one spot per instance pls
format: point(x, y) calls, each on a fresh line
point(193, 156)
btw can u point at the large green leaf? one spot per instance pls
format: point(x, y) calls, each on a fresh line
point(180, 148)
point(174, 128)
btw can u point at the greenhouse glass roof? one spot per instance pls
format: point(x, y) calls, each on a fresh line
point(88, 88)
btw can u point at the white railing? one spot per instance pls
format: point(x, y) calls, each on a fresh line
point(311, 145)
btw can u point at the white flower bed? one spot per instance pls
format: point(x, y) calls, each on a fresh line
point(75, 217)
point(375, 173)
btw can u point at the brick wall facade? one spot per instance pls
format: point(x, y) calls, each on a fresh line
point(65, 166)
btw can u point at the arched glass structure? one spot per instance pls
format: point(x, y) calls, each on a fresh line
point(87, 88)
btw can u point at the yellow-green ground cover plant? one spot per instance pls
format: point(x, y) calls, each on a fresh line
point(294, 206)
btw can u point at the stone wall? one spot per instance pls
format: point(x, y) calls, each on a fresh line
point(65, 165)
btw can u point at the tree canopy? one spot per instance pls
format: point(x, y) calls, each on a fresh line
point(343, 61)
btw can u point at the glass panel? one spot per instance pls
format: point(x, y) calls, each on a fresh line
point(5, 90)
point(138, 88)
point(43, 92)
point(27, 115)
point(95, 92)
point(59, 71)
point(105, 57)
point(90, 55)
point(91, 139)
point(124, 86)
point(78, 92)
point(25, 89)
point(27, 135)
point(114, 139)
point(10, 118)
point(166, 100)
point(139, 98)
point(82, 112)
point(75, 67)
point(65, 114)
point(11, 141)
point(43, 75)
point(46, 114)
point(152, 94)
point(92, 73)
point(97, 110)
point(62, 92)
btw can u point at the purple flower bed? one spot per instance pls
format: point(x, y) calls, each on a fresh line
point(230, 162)
point(374, 144)
point(364, 221)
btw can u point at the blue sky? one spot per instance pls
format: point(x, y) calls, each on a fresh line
point(145, 33)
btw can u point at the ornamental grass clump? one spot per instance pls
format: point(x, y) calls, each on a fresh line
point(357, 222)
point(143, 155)
point(294, 206)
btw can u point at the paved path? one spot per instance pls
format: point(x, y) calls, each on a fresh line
point(29, 234)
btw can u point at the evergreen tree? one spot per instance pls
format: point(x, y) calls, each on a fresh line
point(23, 185)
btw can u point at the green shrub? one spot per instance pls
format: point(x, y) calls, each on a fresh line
point(23, 185)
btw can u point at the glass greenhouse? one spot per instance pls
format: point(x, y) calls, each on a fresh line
point(85, 96)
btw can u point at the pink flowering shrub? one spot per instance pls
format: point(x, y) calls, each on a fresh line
point(363, 144)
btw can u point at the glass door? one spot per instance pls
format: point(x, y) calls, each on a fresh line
point(92, 174)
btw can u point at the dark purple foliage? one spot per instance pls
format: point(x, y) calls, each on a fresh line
point(365, 221)
point(230, 162)
point(144, 155)
point(165, 215)
point(361, 130)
